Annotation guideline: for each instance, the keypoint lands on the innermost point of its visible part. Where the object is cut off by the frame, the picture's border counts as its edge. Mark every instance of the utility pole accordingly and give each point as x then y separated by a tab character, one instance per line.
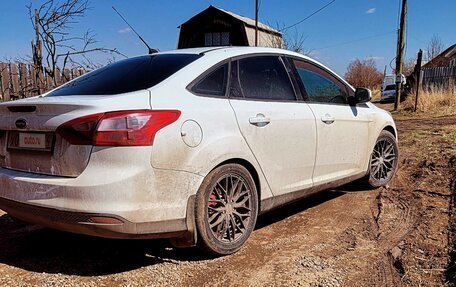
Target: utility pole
418	77
256	23
400	54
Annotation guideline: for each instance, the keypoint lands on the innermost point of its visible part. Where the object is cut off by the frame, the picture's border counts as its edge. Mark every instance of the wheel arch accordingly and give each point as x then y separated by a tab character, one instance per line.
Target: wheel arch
251	169
390	129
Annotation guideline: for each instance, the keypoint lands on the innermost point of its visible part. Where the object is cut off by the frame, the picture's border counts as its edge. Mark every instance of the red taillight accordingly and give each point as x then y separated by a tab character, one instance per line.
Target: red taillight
122	128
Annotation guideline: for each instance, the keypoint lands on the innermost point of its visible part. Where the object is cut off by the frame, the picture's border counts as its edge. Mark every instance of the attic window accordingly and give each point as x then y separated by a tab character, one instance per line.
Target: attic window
217	39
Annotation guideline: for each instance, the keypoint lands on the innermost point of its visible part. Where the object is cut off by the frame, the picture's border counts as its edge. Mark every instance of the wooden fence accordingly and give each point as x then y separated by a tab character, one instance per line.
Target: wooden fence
19	80
443	77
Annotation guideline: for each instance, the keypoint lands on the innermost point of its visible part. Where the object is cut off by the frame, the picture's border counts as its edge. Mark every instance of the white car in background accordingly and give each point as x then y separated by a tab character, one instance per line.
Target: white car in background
388	88
190	144
388	94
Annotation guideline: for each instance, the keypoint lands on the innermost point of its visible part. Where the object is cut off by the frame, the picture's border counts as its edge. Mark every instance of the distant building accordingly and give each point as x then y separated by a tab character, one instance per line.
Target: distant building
218	27
441	70
445	59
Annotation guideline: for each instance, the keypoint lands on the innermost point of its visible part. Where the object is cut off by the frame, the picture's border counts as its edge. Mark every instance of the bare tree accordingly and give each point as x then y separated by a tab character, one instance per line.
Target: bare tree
52	22
434	47
409	66
289	41
364	73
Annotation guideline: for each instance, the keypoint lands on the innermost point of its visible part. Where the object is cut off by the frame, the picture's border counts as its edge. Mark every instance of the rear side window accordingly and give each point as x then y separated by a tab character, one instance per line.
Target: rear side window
319	85
127	75
264	78
214	84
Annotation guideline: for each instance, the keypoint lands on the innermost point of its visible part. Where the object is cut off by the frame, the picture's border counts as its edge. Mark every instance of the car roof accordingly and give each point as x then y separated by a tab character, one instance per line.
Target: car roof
234	51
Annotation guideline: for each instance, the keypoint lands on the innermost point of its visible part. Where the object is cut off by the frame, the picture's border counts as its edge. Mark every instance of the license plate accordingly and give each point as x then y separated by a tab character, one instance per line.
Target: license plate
30	141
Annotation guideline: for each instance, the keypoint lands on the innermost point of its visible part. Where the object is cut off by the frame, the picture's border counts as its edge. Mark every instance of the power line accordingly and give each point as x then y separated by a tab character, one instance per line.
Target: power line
299	22
354	41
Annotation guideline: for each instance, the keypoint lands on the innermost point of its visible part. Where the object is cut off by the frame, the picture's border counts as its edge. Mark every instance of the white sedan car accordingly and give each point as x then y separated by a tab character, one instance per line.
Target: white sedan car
190	145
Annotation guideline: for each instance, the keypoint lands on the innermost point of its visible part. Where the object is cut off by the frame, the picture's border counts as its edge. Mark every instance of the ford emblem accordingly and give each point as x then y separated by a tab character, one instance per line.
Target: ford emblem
21	124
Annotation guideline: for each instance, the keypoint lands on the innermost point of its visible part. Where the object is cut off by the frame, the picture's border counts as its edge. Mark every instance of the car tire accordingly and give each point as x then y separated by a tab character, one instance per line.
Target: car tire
383	160
226	209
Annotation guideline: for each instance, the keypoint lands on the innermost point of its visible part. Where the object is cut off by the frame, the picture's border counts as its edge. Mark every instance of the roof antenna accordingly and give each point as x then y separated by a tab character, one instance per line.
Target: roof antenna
151	50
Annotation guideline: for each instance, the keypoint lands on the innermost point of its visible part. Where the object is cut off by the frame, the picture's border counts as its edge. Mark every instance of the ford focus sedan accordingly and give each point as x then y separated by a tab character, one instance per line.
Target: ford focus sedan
190	145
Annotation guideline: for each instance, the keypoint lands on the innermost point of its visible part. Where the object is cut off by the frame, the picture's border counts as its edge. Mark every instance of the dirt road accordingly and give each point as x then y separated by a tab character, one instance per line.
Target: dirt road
394	236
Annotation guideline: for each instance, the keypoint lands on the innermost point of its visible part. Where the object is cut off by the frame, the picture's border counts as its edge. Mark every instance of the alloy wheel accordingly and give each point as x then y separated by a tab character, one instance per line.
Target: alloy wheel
229	208
383	160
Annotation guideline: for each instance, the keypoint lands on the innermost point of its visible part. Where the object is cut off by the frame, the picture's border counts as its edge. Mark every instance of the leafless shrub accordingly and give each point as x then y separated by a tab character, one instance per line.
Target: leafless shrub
409	66
364	73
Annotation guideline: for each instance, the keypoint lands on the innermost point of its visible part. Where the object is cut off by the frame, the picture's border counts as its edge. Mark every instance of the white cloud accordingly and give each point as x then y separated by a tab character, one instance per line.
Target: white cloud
370	11
375	58
124	30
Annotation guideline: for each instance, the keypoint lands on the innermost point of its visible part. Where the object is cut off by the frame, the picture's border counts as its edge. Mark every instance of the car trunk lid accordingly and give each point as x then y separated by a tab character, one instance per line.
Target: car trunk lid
28	138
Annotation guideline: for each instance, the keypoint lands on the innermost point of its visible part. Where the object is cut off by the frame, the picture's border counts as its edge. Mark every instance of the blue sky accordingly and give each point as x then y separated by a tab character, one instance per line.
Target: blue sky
345	30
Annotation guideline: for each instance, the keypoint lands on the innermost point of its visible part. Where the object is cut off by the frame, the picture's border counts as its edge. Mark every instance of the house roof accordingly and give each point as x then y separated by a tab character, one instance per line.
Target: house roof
248	21
450	51
442	57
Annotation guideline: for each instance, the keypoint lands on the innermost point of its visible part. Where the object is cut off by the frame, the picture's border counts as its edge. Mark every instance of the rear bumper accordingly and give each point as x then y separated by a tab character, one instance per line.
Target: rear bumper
85	223
121	186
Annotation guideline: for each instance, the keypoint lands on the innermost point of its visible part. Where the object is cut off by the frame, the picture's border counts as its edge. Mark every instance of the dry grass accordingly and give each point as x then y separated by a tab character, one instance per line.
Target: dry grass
433	100
376	95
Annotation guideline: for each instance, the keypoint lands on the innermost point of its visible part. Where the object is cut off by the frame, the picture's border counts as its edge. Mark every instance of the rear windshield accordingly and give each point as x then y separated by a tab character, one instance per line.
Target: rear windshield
127	75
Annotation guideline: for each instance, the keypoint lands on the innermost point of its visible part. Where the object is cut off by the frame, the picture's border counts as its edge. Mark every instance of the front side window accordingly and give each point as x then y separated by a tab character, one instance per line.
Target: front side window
214	84
319	85
127	75
264	78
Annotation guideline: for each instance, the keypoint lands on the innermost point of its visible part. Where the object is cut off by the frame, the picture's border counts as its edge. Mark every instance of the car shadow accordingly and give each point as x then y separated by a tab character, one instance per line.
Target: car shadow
37	249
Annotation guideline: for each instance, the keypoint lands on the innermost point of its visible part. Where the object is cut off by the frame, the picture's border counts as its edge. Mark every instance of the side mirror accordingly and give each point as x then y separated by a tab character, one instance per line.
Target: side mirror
363	95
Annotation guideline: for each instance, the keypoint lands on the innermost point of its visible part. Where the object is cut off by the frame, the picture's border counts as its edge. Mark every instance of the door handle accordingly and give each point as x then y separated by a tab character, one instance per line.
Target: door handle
328	119
259	120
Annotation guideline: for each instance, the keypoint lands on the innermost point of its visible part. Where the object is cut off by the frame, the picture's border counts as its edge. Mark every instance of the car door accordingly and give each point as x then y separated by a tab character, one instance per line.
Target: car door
279	130
342	129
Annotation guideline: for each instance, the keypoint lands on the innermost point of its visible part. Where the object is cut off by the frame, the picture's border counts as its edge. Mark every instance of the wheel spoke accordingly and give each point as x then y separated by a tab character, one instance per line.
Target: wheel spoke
237	191
220	190
233	228
241	203
226	226
388	149
217	222
240	195
216	209
234	188
230	189
226	187
388	165
376	169
219	229
217	201
390	156
241	221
